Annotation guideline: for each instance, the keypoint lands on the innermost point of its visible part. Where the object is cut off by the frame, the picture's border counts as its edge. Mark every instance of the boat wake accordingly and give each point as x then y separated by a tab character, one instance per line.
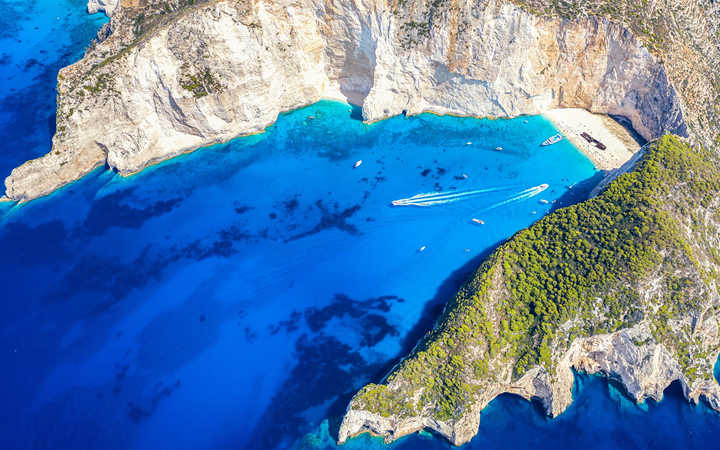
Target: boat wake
441	198
523	195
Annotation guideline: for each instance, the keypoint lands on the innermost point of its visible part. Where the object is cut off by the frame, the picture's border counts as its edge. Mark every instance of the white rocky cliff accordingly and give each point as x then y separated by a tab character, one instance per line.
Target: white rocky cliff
107	6
156	86
631	357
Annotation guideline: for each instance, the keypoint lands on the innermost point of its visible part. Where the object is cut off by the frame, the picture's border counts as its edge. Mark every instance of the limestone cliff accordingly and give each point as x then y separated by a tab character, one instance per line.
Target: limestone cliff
168	77
631	357
107	6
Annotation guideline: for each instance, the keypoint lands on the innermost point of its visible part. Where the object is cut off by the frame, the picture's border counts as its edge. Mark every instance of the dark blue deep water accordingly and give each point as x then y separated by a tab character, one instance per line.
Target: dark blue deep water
237	297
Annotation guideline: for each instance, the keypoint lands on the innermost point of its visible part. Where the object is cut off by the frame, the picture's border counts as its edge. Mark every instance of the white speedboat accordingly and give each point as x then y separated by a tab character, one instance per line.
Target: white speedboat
358	163
552	140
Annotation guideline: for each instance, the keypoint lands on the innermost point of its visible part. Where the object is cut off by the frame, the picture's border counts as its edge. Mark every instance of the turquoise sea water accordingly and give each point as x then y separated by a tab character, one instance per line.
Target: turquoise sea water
238	296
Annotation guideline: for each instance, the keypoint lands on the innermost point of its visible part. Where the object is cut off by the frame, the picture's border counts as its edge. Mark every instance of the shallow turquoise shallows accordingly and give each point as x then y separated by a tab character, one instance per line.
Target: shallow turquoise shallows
238	296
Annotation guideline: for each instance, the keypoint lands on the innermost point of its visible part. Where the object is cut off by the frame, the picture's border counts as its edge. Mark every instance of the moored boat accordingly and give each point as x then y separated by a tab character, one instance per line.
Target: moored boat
552	140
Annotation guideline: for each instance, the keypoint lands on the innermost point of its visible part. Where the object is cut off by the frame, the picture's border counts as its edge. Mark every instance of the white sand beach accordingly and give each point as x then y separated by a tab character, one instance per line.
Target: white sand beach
571	122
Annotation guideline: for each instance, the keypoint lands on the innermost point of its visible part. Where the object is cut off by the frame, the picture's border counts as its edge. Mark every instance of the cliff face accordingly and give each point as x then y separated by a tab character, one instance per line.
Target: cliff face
166	78
107	6
631	357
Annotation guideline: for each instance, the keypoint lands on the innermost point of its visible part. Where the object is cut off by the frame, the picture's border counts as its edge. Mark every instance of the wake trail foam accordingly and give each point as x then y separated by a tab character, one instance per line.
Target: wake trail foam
522	195
441	198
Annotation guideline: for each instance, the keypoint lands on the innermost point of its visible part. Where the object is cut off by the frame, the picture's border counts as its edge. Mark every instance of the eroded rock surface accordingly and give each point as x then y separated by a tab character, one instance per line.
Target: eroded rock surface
107	6
631	357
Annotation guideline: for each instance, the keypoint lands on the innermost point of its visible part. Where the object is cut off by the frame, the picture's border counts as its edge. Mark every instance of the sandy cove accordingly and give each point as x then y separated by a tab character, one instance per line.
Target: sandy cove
572	122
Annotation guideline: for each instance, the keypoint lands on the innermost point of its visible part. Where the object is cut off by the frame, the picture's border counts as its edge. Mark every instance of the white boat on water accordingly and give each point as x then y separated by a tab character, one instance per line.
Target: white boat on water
357	164
552	140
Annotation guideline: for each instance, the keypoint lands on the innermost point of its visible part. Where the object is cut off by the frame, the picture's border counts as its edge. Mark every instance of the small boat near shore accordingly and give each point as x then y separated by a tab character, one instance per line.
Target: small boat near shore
478	221
552	140
358	163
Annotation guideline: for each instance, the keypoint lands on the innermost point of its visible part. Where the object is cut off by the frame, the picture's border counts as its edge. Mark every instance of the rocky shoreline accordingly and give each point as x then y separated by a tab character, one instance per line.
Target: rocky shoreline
643	370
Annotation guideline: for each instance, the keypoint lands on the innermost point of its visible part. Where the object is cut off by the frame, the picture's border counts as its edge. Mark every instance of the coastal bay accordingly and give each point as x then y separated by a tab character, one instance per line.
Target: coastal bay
262	278
242	296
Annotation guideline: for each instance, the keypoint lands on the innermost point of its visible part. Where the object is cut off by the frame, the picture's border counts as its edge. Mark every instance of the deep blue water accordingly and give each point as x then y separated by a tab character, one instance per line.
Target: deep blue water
238	296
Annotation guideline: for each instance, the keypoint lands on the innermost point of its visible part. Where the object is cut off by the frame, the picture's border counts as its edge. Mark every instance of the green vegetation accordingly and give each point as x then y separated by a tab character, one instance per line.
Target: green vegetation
143	21
414	33
579	271
101	82
200	85
154	14
648	21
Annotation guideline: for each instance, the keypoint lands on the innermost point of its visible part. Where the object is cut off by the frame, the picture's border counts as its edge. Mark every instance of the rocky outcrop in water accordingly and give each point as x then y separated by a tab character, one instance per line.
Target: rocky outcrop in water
167	78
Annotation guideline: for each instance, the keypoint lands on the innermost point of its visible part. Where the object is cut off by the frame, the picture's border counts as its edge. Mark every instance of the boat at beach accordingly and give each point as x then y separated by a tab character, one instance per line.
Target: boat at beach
593	141
552	140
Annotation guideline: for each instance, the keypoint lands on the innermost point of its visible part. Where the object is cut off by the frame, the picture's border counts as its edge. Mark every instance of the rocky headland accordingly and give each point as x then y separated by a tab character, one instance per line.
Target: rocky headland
623	285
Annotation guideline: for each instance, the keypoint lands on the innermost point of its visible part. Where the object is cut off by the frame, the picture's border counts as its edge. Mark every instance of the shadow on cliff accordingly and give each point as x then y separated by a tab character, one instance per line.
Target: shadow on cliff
627	124
579	192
